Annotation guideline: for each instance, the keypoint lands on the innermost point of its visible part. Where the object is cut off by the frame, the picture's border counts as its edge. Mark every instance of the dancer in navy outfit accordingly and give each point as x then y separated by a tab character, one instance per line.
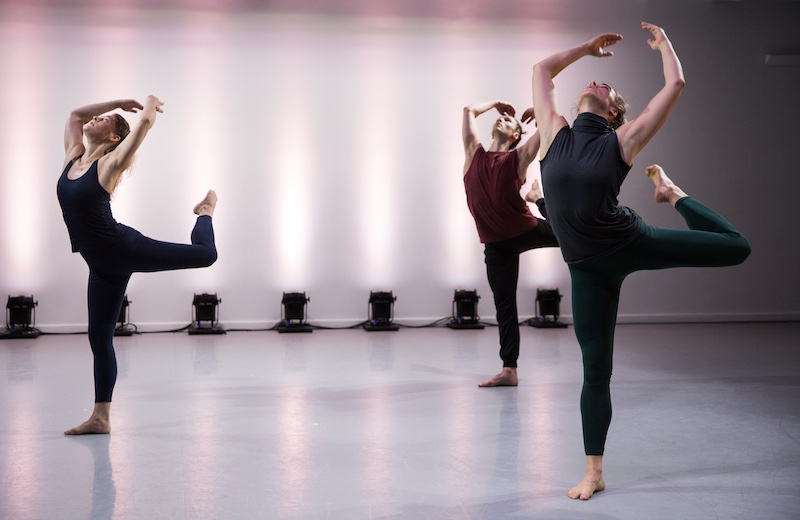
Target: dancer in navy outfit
113	251
583	168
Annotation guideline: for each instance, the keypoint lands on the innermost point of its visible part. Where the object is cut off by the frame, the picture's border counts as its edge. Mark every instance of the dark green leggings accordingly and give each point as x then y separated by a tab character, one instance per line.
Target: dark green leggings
710	242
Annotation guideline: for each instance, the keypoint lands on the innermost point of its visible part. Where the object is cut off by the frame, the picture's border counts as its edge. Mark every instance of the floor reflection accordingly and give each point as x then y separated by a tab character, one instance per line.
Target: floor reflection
21	366
104	490
381	353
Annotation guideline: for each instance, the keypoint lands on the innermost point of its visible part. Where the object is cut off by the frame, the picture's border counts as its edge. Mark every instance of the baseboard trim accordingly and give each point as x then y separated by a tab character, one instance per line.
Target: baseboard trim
264	325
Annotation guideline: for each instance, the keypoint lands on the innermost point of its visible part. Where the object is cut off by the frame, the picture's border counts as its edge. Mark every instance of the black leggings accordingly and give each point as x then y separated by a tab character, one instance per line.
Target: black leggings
502	269
111	267
710	242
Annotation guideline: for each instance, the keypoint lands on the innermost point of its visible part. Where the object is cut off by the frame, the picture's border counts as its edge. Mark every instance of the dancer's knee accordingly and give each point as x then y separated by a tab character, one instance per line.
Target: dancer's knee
597	377
597	369
741	250
209	257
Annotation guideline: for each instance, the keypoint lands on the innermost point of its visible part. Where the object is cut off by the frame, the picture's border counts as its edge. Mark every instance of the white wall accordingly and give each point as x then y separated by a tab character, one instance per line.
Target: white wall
334	145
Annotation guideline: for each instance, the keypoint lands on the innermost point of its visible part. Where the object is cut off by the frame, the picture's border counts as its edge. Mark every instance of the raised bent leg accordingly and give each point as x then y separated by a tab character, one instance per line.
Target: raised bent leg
145	254
710	241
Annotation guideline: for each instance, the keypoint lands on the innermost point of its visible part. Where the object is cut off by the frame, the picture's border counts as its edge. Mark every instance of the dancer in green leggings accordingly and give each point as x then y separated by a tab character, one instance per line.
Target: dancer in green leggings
582	169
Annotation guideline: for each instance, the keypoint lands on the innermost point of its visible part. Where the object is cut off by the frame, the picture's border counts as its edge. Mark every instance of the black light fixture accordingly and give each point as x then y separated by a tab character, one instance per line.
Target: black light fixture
465	311
547	305
20	318
124	327
205	311
293	313
380	315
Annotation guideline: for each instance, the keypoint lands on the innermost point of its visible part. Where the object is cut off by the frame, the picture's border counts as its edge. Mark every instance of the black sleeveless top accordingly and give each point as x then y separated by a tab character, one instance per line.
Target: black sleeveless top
582	174
86	207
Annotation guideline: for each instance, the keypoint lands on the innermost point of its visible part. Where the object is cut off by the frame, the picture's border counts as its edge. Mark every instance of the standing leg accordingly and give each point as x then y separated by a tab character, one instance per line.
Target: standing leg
595	300
502	269
105	301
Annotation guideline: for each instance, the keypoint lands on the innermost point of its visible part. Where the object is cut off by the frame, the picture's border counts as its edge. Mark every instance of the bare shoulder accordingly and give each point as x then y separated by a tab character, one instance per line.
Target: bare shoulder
469	156
549	134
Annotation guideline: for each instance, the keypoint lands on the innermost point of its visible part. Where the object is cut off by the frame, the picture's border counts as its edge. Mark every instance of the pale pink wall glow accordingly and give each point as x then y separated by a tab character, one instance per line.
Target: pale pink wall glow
332	134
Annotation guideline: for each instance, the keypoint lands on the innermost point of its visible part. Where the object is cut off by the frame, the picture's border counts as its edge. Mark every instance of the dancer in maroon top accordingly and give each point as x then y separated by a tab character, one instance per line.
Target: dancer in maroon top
506	226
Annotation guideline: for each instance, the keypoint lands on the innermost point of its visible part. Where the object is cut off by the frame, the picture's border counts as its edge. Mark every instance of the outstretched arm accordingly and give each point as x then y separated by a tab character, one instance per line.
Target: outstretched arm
549	119
469	129
73	133
635	135
118	160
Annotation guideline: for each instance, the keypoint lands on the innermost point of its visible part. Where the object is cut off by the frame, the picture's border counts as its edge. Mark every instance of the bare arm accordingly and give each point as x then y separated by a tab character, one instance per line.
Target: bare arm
73	133
635	135
117	161
527	152
469	129
548	118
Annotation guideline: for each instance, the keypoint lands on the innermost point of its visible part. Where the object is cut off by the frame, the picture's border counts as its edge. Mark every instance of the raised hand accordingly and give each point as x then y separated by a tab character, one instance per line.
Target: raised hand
598	44
505	108
156	103
659	36
130	105
528	116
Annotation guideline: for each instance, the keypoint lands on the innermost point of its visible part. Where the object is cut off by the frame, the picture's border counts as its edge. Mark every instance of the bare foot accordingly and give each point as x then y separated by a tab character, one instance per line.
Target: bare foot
207	205
508	377
99	422
93	425
536	192
588	487
666	190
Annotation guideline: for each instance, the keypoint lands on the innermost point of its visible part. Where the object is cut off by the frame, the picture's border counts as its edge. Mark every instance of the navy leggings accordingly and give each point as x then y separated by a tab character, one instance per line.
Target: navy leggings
111	267
710	242
502	269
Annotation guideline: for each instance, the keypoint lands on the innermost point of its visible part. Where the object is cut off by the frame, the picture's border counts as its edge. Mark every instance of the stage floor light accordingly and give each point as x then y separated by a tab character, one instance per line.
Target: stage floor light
206	310
20	318
293	313
380	314
465	310
547	304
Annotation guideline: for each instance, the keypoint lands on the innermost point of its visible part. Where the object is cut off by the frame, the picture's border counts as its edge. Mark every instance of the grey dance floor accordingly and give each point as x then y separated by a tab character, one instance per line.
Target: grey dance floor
390	425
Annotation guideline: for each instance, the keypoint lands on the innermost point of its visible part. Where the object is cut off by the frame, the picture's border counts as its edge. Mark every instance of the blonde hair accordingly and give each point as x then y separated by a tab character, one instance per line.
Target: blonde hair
622	108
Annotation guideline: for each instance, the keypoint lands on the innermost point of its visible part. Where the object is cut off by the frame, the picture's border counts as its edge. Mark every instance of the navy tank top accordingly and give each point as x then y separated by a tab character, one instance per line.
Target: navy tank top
86	207
582	174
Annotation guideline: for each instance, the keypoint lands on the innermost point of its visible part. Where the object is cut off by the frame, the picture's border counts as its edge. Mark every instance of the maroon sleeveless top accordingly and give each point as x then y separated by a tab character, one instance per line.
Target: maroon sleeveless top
492	186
